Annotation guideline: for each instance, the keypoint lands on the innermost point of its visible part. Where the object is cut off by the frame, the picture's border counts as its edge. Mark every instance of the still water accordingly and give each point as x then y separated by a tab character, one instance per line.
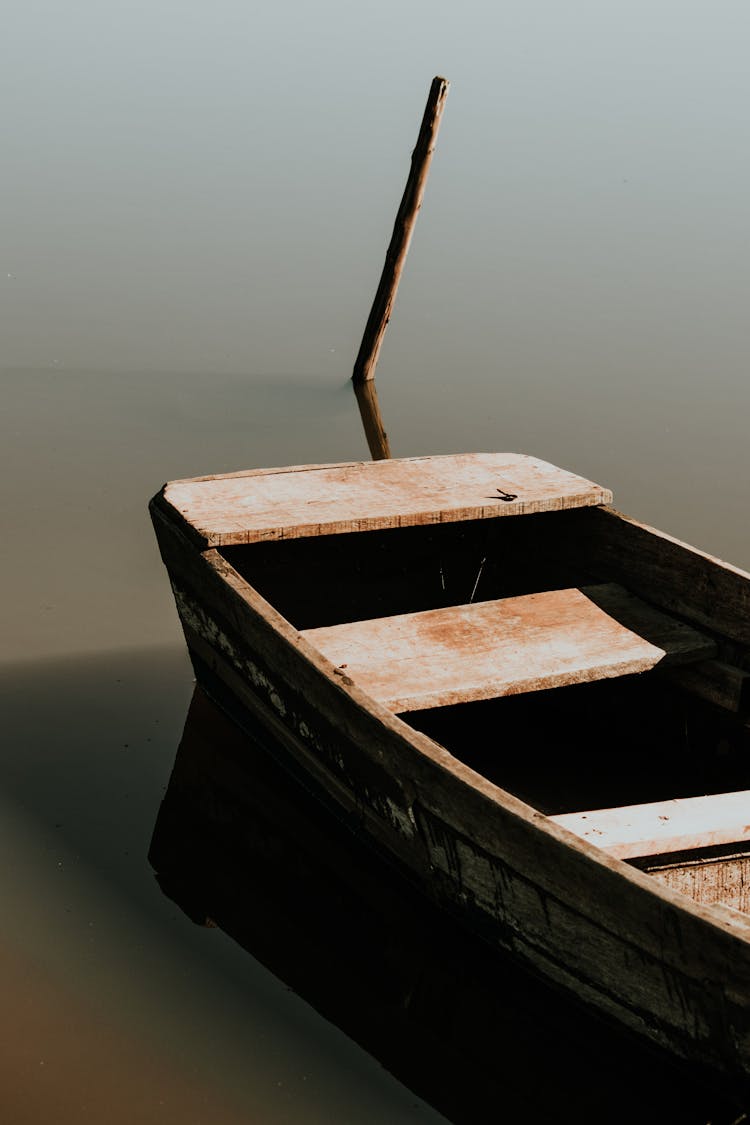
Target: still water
197	202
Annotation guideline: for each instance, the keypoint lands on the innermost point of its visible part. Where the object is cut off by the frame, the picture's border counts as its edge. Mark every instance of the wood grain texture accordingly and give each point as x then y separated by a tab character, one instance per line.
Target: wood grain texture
713	880
664	826
297	501
489	649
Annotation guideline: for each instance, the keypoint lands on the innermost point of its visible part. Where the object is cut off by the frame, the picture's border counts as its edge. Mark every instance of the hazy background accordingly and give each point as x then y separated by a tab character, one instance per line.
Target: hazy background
197	200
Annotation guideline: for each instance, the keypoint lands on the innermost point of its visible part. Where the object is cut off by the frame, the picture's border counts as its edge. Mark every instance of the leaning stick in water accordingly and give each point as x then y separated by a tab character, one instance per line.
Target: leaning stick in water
369	409
364	368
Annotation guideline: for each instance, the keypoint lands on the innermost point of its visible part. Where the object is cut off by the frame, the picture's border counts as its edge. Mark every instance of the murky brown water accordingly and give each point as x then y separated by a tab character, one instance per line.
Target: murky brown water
197	206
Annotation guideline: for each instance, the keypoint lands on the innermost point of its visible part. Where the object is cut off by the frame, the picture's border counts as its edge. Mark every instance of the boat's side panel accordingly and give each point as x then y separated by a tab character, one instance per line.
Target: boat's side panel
677	577
579	917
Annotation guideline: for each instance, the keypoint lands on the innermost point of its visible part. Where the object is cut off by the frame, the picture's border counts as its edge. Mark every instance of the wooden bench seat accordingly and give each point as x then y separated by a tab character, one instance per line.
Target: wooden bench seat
684	824
488	649
305	500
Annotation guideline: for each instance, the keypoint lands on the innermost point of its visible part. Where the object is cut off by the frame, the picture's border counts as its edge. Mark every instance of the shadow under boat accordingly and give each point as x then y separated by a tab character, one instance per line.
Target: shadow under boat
240	845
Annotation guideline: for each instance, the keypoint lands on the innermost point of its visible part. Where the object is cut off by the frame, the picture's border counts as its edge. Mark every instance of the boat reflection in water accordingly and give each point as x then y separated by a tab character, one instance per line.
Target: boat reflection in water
240	845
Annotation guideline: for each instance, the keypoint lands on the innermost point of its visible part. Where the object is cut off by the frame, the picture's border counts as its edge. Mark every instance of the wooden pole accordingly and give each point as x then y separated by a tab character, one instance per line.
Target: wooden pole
364	368
369	409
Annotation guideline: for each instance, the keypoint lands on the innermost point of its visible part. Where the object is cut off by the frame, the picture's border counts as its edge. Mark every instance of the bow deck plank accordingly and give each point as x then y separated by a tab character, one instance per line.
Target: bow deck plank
369	495
520	644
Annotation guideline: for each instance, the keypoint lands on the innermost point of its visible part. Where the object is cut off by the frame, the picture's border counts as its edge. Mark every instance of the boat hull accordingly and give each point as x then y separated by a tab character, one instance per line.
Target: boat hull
613	937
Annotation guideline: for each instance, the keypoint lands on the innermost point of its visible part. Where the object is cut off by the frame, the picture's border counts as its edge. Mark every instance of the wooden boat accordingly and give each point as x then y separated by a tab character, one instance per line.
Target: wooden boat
532	705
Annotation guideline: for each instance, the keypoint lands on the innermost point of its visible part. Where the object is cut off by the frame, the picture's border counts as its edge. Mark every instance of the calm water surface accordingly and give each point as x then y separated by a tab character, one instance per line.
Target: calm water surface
197	202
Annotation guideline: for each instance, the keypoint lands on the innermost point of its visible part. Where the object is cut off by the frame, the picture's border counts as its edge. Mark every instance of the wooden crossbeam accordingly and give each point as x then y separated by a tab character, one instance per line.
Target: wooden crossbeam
683	824
494	648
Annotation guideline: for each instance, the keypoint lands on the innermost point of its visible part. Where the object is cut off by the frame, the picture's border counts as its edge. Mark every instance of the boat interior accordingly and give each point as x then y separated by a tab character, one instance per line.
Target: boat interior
632	730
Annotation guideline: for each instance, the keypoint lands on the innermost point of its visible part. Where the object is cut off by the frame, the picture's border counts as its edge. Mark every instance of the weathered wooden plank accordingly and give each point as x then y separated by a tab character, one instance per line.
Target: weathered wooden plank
363	496
521	644
664	826
709	879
